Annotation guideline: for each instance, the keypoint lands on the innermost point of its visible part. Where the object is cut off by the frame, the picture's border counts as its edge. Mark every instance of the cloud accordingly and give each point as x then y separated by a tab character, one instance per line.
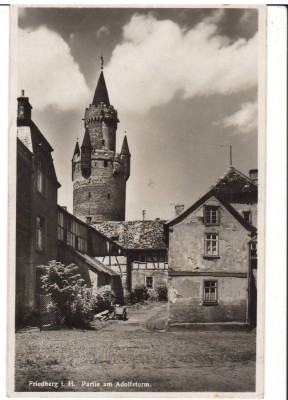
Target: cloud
48	72
157	60
103	31
244	120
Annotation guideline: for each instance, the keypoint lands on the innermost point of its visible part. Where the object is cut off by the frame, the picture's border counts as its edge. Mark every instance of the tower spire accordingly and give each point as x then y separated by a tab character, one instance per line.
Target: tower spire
125	147
101	92
77	149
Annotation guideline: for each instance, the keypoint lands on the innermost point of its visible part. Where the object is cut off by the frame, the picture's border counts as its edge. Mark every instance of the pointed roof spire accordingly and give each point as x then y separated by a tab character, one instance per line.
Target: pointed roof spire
77	149
101	92
125	147
86	140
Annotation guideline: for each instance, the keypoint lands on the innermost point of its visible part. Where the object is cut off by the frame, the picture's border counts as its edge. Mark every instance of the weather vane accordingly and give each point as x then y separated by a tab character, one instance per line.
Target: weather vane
102	63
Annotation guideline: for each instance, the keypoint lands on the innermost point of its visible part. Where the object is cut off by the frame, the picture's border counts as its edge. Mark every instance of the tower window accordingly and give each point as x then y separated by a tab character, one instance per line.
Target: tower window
103	142
105	163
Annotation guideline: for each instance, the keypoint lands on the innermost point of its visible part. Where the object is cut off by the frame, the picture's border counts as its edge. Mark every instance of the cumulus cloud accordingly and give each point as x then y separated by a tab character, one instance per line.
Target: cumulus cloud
157	60
244	120
48	72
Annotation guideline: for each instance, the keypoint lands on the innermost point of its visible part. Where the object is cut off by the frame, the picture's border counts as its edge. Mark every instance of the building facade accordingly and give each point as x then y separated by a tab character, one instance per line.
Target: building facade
100	174
213	255
36	208
144	253
46	231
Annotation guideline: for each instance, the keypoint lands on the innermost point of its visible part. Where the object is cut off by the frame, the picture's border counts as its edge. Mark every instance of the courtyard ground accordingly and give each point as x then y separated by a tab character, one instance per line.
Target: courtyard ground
136	355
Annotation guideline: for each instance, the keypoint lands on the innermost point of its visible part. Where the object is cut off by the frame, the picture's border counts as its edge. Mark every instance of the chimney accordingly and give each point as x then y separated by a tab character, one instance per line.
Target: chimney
179	208
24	107
254	175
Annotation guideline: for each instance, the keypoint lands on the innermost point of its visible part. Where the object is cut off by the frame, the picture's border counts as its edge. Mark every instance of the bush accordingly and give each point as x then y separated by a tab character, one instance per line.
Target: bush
102	297
139	294
69	293
162	293
153	295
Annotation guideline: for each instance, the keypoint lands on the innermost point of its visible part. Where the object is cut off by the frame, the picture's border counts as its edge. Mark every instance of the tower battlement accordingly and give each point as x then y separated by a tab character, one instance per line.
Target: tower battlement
100	113
100	174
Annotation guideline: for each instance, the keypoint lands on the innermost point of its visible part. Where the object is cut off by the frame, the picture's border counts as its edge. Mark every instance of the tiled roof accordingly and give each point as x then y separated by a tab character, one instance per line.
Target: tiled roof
135	234
236	187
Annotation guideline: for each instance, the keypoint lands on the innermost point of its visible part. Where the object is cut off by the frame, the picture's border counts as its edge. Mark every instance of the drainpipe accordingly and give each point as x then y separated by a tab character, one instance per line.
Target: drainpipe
248	316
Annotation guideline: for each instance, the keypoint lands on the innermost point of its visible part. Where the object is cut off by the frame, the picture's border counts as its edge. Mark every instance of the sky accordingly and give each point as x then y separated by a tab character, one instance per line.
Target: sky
184	83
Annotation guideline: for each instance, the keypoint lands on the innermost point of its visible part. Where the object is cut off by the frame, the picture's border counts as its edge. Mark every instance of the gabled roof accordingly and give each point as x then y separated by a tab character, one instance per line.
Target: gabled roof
203	199
35	140
133	235
235	187
101	92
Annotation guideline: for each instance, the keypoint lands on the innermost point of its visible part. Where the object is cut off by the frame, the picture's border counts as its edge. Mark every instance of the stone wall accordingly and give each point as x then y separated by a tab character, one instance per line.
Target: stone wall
102	196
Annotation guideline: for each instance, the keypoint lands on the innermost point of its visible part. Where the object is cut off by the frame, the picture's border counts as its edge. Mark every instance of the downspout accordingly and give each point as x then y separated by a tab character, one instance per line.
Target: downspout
248	316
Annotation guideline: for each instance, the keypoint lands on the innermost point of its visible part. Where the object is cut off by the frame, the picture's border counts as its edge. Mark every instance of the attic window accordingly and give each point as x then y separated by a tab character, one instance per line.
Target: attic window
211	215
247	216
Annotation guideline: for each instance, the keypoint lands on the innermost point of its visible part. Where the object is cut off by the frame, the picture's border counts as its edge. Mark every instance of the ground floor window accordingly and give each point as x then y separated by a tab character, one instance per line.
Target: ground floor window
149	282
210	292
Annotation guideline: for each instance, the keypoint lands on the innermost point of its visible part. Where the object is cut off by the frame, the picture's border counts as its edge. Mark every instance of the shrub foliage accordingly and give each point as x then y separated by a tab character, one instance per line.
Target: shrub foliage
75	300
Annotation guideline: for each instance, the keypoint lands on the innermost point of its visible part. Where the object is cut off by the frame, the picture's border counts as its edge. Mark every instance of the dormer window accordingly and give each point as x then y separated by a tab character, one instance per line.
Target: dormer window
211	215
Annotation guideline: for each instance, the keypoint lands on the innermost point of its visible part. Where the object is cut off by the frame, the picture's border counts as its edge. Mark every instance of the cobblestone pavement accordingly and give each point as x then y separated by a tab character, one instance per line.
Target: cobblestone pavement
125	351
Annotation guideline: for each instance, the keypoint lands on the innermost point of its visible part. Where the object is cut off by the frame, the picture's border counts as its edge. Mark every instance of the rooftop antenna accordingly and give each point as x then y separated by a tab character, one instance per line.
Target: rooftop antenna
230	156
102	62
143	213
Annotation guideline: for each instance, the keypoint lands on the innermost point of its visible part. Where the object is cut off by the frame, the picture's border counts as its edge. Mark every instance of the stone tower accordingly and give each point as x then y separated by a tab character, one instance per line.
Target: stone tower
100	174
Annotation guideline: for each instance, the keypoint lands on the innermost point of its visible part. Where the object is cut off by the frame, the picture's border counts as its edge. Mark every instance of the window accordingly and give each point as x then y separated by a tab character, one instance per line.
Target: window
149	282
253	254
40	179
211	215
210	295
247	216
142	257
211	244
105	163
103	142
108	196
40	233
